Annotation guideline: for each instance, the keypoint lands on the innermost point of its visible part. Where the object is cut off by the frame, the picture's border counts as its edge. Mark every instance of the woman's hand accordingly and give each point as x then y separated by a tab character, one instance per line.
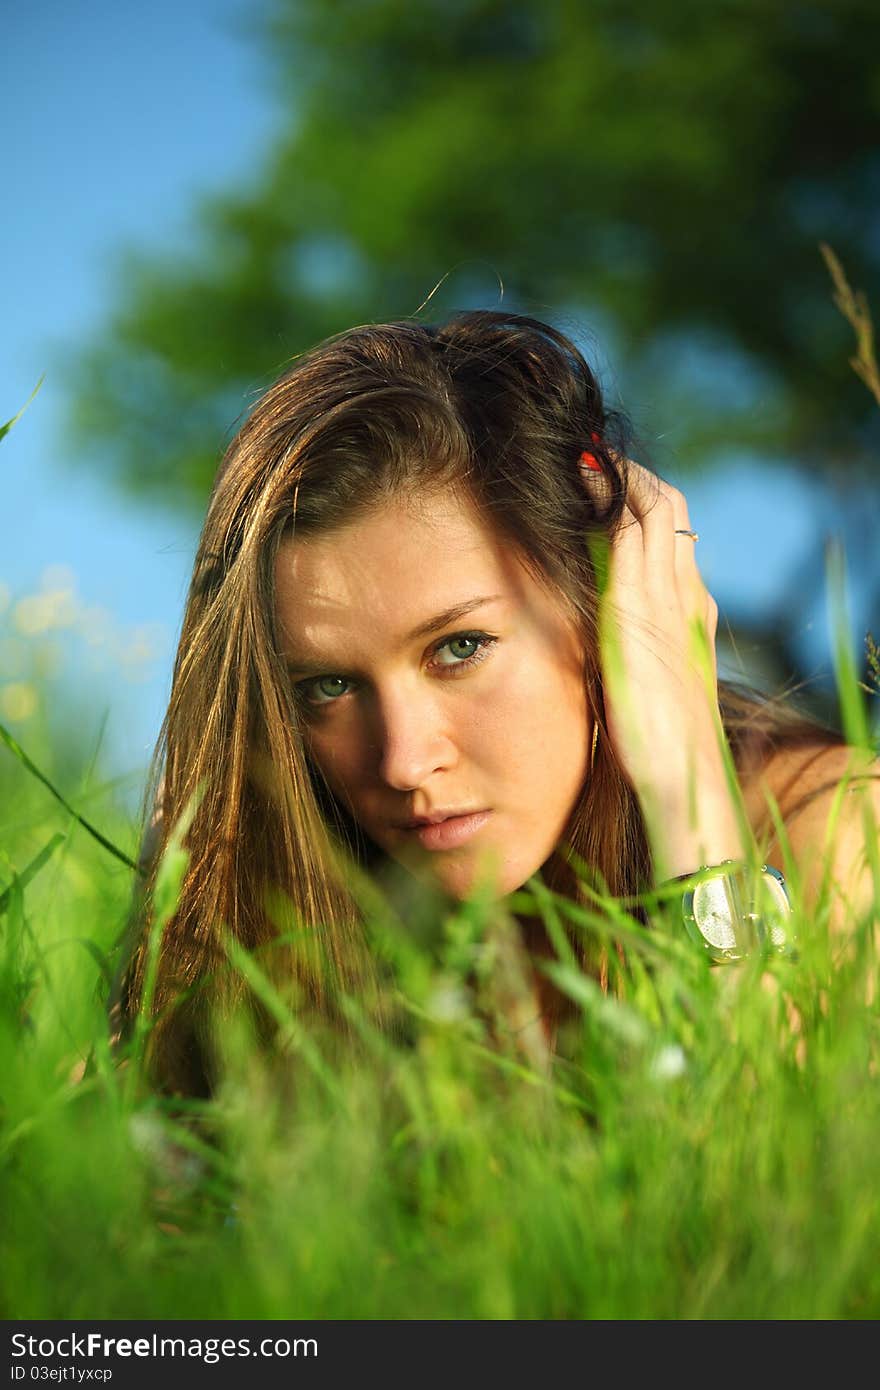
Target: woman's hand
657	628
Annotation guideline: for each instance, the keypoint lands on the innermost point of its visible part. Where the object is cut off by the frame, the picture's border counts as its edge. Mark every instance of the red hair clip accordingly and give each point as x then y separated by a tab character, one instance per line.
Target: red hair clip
590	460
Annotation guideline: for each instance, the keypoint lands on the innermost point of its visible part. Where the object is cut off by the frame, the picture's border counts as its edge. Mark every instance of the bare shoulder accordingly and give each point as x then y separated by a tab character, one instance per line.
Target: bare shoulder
823	791
799	777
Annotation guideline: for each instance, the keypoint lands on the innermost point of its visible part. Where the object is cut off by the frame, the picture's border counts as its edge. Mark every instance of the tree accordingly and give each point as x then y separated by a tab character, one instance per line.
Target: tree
665	170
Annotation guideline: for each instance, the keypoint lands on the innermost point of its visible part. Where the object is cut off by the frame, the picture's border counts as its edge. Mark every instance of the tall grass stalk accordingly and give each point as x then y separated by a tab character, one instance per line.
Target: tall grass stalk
702	1145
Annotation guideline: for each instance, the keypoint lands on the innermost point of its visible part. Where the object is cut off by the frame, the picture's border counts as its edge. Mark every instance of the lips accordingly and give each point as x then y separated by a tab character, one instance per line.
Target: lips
448	832
434	818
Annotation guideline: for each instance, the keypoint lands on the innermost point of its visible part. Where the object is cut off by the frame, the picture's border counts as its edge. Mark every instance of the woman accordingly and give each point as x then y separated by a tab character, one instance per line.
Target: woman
438	620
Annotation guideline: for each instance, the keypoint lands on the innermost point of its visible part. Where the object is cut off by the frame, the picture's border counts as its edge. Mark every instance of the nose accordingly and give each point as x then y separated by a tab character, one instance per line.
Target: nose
412	738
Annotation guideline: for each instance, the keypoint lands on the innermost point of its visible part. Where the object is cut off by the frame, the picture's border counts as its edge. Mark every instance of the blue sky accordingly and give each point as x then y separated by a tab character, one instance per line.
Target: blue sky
114	118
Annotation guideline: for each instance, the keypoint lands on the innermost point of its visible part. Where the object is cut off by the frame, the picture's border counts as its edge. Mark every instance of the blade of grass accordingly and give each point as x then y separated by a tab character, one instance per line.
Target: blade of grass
32	869
292	1032
852	705
166	892
854	307
16	749
94	950
626	1023
4	429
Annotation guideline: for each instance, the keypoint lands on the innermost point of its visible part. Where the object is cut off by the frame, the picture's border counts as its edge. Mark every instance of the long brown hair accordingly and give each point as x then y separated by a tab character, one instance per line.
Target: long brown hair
495	404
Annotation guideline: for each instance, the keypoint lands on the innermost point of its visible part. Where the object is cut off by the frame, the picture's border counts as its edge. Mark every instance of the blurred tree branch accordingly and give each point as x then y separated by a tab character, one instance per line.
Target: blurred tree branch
659	176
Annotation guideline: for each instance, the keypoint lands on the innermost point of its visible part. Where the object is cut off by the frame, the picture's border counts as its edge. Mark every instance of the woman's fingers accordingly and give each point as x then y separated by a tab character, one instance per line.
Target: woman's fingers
628	552
671	557
654	570
662	511
654	515
660	693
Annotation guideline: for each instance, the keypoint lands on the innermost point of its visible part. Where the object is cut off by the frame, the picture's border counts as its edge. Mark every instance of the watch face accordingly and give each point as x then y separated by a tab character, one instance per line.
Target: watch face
723	919
731	917
776	910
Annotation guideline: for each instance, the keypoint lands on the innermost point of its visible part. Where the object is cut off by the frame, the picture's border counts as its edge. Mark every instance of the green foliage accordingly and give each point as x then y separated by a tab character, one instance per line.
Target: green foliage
702	1145
666	170
18	752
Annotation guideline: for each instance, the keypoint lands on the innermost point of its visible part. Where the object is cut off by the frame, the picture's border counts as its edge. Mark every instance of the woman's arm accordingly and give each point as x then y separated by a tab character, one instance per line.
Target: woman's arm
657	631
658	624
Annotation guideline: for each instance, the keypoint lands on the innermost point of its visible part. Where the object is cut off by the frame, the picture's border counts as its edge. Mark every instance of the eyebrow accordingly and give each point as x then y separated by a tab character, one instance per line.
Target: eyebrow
433	624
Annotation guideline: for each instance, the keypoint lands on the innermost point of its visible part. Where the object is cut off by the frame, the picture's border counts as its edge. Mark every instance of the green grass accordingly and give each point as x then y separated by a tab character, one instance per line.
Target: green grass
691	1155
703	1147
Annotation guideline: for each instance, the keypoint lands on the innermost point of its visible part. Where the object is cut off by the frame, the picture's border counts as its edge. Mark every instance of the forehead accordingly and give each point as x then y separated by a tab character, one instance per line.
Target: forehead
389	571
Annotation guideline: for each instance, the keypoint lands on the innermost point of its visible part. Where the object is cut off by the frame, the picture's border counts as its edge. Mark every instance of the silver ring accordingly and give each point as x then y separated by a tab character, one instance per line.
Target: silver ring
693	535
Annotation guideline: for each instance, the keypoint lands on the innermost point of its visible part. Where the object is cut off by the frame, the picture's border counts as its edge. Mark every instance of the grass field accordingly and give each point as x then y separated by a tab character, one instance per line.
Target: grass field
704	1145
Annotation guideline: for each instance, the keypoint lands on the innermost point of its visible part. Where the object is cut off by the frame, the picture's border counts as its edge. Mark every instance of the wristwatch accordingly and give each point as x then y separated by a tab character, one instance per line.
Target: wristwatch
732	910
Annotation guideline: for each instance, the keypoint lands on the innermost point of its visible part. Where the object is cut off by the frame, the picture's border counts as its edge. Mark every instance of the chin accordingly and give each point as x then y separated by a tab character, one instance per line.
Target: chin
493	877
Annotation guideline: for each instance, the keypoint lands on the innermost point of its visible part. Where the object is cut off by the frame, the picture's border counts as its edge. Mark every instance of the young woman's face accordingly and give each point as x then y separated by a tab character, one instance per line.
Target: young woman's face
409	713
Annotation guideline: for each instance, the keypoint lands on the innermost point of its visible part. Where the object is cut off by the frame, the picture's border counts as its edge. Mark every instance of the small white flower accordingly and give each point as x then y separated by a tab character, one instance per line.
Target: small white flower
669	1062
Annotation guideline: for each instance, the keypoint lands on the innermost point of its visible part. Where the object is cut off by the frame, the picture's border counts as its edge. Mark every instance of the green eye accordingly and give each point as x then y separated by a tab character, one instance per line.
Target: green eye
324	681
482	641
309	693
454	641
321	684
